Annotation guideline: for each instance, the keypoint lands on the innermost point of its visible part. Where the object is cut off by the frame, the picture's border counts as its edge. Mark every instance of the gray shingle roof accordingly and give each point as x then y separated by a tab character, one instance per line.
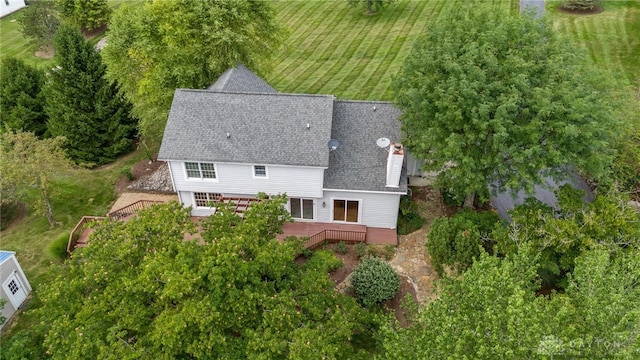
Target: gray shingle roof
264	128
359	164
241	79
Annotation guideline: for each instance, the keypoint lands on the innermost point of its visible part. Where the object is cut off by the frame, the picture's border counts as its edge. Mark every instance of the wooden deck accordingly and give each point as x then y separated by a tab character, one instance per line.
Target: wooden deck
372	235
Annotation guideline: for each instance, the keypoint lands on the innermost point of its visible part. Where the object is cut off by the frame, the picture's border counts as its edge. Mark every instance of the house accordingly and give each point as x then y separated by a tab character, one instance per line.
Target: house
9	6
340	162
15	286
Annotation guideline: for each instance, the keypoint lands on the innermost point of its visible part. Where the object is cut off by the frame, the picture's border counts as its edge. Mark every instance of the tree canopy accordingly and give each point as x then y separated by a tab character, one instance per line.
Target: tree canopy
83	105
39	22
139	290
85	14
163	45
27	162
21	97
491	98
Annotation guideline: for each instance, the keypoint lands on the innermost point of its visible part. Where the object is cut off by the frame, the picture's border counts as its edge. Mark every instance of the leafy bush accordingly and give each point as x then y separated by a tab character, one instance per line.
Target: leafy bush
580	4
409	219
58	247
307	253
453	241
127	173
323	261
341	247
389	251
361	250
25	344
374	281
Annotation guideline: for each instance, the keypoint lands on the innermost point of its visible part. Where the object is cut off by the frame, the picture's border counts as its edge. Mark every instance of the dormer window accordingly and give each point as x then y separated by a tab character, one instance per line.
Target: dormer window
259	171
200	170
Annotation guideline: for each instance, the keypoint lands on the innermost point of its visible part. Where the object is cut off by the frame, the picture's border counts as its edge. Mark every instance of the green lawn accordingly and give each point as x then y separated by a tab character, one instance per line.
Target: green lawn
335	49
13	44
611	38
90	192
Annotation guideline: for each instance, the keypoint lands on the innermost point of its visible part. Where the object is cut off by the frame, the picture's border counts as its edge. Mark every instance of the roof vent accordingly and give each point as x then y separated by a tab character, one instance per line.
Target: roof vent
383	142
333	144
228	135
308	126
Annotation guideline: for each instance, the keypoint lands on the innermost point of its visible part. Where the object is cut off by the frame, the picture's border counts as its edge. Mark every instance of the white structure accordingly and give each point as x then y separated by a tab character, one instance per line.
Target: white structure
15	286
9	6
333	158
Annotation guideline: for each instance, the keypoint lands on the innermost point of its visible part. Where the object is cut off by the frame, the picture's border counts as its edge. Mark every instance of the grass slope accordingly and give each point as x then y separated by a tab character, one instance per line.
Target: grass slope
335	49
611	38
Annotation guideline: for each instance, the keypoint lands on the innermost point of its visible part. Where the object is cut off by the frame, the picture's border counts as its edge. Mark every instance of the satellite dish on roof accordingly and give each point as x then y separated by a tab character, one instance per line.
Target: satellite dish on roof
383	142
333	144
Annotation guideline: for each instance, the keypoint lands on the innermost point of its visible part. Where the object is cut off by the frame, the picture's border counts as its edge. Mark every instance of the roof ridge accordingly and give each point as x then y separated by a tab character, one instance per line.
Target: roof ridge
366	101
254	93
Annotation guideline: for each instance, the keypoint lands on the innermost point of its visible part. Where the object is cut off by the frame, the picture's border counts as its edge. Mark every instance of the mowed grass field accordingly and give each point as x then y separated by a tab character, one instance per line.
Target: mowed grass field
335	49
610	38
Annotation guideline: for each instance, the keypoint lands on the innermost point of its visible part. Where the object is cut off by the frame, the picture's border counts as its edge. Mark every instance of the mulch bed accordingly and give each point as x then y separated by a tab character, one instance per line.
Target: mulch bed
138	170
595	10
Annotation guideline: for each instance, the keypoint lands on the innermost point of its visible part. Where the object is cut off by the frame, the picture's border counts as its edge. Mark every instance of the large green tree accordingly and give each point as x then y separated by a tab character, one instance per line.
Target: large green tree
492	311
561	235
28	163
163	45
21	97
83	105
139	290
86	14
488	97
39	22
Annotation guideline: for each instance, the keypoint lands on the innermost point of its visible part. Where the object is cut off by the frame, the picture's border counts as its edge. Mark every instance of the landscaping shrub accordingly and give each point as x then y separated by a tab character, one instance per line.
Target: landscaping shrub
58	247
341	247
374	281
361	250
307	253
324	261
580	4
409	219
127	173
389	251
454	242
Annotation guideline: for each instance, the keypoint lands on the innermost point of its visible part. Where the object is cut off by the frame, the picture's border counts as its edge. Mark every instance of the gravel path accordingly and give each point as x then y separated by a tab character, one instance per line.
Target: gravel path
411	260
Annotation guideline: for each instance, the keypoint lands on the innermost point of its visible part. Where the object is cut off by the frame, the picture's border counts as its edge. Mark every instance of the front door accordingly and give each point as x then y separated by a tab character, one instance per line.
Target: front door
346	210
15	291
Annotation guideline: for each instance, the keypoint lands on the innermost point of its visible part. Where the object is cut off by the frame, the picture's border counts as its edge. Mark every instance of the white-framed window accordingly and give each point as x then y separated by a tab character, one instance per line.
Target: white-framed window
259	171
198	170
302	209
206	200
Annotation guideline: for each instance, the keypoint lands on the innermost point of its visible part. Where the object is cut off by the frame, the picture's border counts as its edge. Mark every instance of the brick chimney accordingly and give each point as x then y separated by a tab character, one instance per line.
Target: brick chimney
394	165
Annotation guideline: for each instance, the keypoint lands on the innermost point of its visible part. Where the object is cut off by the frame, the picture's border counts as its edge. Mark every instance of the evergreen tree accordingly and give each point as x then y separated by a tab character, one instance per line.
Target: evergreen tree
21	98
83	106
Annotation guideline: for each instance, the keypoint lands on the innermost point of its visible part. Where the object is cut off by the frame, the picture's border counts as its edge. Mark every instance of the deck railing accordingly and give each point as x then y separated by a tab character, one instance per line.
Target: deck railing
80	228
131	209
329	235
118	214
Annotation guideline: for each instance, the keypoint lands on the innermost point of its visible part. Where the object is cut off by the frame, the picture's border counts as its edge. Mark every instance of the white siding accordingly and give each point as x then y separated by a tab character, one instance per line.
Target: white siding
376	209
7	269
9	6
239	179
